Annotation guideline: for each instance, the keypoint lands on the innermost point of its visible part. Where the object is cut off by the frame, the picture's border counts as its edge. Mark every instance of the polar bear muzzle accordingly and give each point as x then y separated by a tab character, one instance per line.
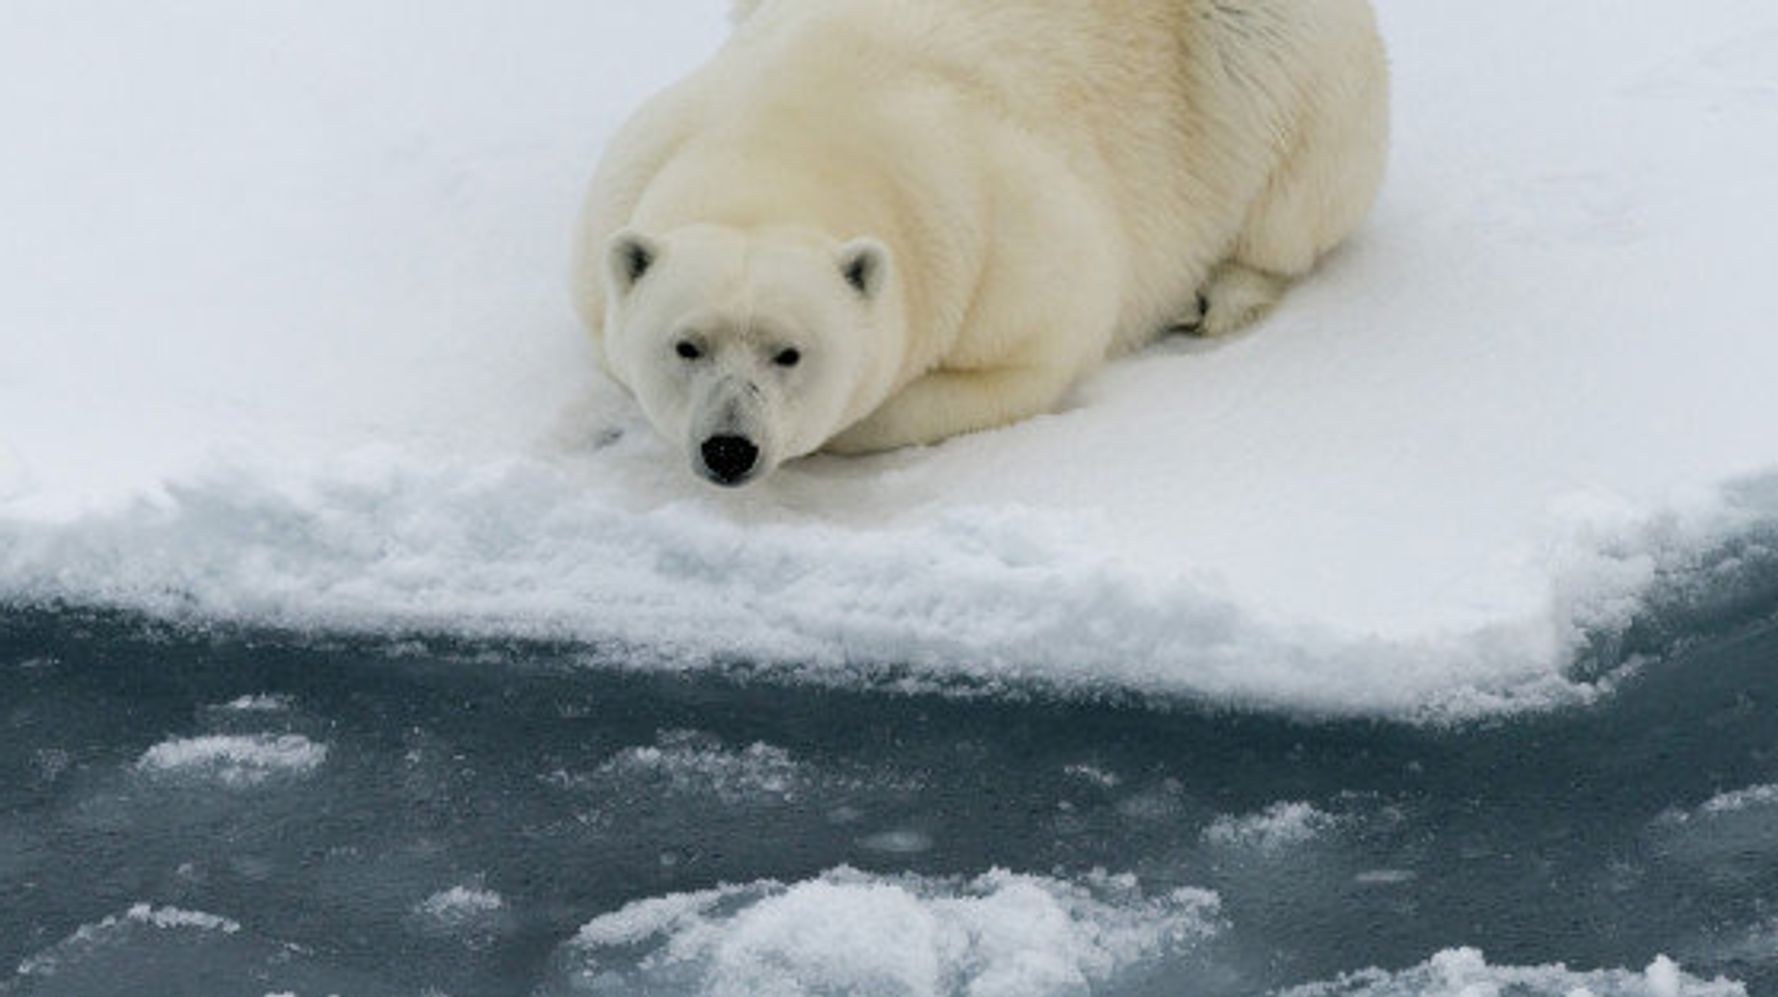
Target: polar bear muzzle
729	460
731	438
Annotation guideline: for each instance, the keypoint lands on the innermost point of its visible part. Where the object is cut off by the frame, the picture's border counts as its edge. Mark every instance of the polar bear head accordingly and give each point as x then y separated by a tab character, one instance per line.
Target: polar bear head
750	348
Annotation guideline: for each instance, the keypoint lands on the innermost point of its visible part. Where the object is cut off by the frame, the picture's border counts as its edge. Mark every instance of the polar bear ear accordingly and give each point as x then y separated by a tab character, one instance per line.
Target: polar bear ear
629	259
865	265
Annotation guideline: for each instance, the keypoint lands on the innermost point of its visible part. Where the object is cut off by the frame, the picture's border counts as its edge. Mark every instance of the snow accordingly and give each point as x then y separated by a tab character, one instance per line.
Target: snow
688	763
1279	826
151	949
173	917
1466	973
460	903
1385	877
234	761
470	913
1758	799
1094	775
259	703
108	931
284	338
998	935
1742	799
693	768
903	841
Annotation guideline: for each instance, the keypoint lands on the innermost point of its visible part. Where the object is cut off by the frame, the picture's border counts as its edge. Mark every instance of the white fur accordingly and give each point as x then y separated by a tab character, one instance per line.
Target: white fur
1052	181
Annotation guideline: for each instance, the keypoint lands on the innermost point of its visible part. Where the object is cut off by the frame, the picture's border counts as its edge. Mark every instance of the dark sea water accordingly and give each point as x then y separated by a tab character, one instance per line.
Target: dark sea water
547	788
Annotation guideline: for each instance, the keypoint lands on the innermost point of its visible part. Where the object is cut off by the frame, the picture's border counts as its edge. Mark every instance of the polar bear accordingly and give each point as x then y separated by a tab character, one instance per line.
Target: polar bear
865	224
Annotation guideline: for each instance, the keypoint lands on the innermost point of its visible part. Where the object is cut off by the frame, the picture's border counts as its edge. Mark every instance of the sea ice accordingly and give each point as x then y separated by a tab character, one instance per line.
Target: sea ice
234	761
999	935
286	340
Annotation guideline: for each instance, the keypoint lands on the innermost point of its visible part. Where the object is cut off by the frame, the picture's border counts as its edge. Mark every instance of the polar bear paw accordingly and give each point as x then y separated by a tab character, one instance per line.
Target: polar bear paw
1235	297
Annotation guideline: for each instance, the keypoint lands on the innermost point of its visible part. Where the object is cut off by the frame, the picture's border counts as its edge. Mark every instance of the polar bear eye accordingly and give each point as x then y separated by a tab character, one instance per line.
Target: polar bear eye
788	358
687	350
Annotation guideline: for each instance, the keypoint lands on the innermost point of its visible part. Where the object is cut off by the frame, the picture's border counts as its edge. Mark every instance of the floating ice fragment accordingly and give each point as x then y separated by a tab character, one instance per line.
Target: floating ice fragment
898	842
173	917
235	761
261	703
1385	877
141	915
1465	972
999	935
1722	804
461	903
1742	799
693	763
1278	826
1095	775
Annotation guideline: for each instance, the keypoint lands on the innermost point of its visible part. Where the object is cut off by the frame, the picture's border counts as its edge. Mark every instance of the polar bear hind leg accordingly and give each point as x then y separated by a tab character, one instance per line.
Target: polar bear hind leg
1319	194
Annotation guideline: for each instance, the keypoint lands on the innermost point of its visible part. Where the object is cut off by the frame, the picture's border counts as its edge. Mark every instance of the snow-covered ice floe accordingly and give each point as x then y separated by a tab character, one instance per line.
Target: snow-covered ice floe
471	913
1758	803
1467	973
113	931
234	760
1279	826
157	950
461	903
1738	800
687	763
258	703
533	548
998	935
314	377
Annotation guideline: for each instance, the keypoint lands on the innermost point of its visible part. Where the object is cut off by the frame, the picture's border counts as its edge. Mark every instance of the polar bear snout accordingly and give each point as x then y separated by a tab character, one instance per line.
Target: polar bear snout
729	460
731	442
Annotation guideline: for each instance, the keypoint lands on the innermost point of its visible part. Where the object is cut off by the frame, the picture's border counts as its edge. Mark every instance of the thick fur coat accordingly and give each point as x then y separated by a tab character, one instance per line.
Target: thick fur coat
977	202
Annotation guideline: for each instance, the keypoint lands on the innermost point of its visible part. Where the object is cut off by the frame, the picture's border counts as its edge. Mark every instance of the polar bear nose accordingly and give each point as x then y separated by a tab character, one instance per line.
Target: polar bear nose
729	458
